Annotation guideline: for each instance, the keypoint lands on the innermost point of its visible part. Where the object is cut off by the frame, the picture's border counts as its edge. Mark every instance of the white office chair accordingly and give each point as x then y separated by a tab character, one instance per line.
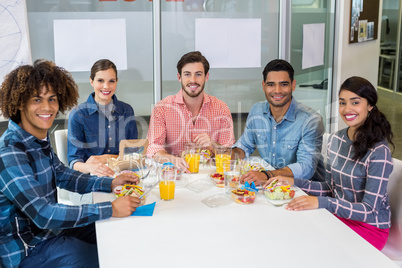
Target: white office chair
65	196
393	248
60	137
324	145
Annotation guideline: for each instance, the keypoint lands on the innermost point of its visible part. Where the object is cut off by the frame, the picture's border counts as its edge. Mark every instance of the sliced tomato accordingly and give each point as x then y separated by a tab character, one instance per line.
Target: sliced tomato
292	193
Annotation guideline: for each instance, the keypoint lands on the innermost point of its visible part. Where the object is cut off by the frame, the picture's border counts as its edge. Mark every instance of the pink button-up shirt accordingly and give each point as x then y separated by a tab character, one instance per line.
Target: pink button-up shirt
171	125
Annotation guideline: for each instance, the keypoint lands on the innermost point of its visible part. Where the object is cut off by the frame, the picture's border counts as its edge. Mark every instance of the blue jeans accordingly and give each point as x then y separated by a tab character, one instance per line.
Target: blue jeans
72	248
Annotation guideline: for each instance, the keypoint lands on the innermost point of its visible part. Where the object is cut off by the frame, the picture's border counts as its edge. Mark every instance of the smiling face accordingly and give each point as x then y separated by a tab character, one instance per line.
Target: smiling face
353	109
104	84
38	114
193	79
278	89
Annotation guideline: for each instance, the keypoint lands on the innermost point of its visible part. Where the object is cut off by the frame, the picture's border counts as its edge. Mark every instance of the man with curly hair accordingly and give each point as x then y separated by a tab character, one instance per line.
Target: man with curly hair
35	230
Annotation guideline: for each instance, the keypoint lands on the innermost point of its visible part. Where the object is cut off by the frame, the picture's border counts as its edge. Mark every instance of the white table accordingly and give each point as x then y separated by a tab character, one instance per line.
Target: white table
187	233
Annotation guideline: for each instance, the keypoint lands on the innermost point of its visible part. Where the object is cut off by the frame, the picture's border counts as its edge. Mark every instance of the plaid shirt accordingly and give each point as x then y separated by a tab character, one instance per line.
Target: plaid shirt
29	212
171	124
355	190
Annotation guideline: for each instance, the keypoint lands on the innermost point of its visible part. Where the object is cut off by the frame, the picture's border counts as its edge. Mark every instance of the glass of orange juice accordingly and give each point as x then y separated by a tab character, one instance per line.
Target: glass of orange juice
192	156
222	156
167	183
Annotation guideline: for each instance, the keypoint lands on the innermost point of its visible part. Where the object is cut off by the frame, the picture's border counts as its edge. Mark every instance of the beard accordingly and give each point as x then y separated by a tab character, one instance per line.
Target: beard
193	94
285	100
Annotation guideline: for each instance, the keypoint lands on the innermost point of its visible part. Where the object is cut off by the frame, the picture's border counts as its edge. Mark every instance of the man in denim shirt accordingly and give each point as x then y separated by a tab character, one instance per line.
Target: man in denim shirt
288	134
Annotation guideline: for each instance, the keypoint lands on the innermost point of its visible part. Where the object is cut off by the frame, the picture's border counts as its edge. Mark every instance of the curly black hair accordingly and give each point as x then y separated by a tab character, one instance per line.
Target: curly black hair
27	81
276	66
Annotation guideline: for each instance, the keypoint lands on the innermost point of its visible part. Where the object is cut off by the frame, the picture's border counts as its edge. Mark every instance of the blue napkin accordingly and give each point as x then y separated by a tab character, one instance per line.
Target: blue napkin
252	186
146	210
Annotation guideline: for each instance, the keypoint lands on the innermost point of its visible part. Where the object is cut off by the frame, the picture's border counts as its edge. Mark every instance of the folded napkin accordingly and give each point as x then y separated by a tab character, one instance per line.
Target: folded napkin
252	186
146	210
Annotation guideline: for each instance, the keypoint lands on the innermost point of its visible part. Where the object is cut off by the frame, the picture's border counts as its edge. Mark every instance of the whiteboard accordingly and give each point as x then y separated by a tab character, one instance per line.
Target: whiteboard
14	41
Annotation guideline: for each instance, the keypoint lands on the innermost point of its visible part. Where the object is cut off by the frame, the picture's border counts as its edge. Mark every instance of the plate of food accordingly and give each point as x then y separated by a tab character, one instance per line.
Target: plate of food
243	195
278	193
219	179
128	189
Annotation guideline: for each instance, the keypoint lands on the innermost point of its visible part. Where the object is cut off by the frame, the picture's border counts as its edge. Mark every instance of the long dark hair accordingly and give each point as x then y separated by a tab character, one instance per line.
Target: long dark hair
376	127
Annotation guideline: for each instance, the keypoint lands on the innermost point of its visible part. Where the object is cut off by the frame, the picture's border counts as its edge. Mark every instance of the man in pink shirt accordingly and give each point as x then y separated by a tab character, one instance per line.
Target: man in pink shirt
189	116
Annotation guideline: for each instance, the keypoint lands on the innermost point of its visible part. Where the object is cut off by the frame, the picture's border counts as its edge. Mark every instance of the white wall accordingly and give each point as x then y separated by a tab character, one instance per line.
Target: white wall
358	59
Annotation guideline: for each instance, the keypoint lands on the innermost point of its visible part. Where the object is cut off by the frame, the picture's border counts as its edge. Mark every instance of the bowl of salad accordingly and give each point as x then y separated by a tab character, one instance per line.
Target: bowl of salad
279	191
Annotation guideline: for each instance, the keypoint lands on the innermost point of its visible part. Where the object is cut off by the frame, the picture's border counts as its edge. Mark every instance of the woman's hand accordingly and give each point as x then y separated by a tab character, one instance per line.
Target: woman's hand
99	169
303	203
101	158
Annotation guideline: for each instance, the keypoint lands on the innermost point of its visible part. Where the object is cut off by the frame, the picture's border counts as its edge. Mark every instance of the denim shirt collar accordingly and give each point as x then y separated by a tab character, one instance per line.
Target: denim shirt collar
93	107
290	113
26	137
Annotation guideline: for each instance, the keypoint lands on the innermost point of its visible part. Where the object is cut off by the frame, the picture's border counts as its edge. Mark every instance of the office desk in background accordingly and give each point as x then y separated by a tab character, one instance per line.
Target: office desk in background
387	65
187	233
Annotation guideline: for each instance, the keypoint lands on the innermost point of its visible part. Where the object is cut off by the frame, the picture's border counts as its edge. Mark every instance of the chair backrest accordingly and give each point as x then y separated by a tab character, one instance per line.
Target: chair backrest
324	145
60	137
393	248
139	144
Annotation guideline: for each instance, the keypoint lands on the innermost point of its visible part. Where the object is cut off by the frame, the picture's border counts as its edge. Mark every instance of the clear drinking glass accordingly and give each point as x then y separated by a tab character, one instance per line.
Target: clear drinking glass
192	156
222	156
167	183
231	174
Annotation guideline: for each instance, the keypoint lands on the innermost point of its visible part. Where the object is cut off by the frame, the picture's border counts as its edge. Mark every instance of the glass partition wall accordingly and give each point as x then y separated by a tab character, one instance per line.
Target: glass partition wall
231	77
252	26
239	86
389	75
314	84
135	85
389	71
